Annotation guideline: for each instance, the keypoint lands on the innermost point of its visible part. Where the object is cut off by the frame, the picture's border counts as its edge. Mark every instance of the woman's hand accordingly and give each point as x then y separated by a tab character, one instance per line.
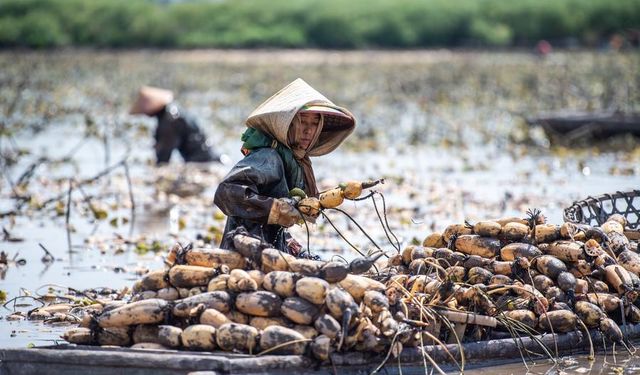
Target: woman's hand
284	213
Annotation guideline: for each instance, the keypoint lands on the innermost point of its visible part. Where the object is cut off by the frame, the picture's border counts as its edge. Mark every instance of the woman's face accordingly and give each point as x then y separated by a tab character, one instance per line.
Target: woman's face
305	128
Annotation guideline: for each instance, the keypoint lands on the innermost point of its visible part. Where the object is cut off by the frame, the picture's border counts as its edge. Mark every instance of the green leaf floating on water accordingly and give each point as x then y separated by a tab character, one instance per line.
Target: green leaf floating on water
141	248
100	214
219	215
157	246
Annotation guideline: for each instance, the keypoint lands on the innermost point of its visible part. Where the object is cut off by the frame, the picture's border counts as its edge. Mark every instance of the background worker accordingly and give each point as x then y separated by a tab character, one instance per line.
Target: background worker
175	130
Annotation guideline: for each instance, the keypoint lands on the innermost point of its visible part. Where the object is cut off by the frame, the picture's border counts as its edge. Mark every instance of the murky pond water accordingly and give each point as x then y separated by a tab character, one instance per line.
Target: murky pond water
621	363
445	130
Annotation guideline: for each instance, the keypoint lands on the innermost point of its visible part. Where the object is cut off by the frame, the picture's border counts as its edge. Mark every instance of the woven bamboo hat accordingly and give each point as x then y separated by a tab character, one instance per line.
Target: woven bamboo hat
151	100
274	116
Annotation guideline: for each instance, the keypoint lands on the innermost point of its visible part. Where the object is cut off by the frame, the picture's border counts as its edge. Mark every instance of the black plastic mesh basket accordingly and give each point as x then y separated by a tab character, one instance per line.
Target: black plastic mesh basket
596	210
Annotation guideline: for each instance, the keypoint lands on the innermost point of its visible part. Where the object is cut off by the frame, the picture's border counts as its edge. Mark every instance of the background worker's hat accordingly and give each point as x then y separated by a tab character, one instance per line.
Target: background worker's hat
151	100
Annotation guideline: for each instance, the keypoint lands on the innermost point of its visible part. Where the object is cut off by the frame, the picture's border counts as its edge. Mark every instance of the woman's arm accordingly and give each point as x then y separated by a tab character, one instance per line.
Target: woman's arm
242	192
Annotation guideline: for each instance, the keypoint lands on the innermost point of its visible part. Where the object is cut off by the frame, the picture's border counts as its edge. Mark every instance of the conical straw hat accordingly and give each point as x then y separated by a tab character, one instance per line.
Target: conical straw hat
151	100
274	116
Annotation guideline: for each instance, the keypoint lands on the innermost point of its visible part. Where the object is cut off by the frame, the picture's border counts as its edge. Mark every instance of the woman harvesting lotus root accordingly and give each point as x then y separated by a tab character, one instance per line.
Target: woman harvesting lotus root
283	133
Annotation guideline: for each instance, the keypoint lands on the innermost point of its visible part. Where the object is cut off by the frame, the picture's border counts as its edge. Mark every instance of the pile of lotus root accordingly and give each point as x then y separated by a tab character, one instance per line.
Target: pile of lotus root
472	282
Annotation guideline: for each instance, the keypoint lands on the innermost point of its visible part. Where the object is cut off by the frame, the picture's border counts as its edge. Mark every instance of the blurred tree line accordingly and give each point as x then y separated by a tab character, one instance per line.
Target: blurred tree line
310	23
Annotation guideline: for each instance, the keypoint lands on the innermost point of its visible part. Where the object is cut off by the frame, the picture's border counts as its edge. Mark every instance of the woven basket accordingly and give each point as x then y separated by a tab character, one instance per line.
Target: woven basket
596	210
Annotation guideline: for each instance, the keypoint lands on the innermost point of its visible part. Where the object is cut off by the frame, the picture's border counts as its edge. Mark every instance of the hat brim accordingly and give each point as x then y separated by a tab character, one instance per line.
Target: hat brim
334	119
323	110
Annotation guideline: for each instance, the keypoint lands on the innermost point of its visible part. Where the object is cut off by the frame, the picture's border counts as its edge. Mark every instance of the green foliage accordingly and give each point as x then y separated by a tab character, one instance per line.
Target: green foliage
492	34
532	20
308	23
36	28
9	31
40	29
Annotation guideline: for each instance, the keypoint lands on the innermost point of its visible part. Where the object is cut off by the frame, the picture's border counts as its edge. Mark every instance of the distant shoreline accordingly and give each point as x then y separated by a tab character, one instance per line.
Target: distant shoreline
212	53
